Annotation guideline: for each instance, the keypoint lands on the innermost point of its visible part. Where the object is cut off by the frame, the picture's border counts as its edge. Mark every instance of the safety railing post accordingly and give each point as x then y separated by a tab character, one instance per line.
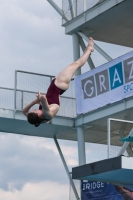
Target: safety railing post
84	5
22	100
76	4
108	138
15	92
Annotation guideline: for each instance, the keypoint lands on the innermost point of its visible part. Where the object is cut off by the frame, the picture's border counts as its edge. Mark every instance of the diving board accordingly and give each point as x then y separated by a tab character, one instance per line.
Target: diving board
118	170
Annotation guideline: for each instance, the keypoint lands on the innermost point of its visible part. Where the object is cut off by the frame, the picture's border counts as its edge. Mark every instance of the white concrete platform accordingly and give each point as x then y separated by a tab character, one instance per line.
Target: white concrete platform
118	170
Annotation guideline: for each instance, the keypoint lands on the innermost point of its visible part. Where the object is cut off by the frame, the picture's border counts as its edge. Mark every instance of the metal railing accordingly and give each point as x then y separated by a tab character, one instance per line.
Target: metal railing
6	98
23	97
25	89
73	8
27	85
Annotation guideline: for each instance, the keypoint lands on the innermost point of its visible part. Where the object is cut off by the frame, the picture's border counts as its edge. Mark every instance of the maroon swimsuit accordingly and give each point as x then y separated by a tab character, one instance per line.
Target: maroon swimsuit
52	95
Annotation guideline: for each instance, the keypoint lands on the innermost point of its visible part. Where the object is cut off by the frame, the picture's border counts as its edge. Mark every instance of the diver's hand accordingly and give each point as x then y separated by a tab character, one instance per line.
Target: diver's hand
37	101
40	96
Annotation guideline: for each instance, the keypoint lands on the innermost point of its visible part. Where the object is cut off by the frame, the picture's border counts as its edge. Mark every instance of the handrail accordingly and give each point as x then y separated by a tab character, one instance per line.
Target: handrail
20	99
78	7
6	88
50	76
26	72
18	90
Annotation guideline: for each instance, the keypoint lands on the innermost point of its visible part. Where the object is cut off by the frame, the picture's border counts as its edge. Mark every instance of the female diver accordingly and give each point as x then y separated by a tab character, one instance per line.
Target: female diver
50	104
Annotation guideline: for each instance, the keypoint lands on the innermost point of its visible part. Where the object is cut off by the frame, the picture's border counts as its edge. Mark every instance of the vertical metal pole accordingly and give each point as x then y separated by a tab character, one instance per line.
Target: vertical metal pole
108	138
66	168
76	51
76	4
81	146
80	131
22	101
84	5
15	87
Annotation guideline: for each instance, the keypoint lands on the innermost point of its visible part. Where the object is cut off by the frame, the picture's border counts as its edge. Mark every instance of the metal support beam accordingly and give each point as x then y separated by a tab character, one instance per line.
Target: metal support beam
129	150
90	62
71	8
108	137
53	4
66	168
81	146
80	131
125	145
84	5
76	51
76	8
103	53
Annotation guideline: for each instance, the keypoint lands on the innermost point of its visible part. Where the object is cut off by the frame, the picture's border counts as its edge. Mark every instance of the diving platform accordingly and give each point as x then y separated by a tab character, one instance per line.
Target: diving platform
94	123
118	171
20	125
110	21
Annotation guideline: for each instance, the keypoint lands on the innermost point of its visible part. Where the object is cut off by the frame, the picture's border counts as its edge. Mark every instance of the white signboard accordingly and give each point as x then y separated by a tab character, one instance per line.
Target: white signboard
106	84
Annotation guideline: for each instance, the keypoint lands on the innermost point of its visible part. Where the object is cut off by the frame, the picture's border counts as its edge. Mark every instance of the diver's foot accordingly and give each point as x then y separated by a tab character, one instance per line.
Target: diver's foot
91	44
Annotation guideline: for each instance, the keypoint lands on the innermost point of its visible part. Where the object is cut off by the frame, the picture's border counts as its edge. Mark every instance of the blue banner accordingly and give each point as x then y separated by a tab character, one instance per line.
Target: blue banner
106	84
96	190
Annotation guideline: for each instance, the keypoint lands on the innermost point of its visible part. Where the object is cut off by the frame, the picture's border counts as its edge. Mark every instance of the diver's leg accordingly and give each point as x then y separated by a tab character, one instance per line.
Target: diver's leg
64	77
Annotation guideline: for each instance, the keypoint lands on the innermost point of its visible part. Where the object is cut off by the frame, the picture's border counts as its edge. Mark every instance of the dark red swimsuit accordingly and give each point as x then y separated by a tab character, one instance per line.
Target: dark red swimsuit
53	94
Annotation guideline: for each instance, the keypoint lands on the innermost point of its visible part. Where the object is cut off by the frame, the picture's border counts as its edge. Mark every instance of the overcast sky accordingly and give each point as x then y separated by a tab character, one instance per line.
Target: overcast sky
32	39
